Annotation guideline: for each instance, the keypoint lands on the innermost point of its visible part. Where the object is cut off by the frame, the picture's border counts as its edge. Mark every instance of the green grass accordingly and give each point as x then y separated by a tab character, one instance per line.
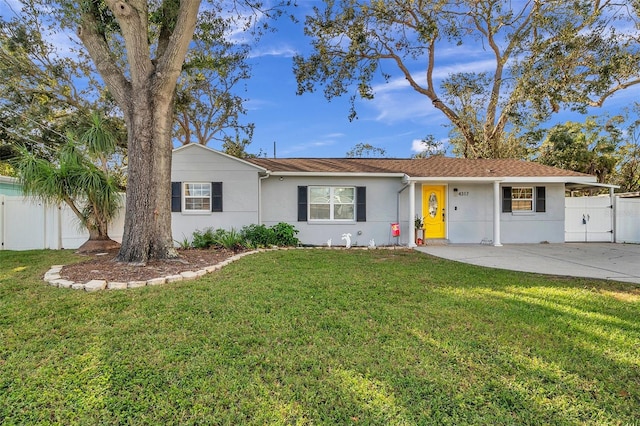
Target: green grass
320	337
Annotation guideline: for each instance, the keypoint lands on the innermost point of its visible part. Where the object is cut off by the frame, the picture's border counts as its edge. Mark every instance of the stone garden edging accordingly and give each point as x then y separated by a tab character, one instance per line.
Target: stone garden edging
53	278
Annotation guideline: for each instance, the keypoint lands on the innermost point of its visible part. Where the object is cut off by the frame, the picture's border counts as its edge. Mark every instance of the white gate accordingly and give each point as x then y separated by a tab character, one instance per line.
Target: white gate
588	219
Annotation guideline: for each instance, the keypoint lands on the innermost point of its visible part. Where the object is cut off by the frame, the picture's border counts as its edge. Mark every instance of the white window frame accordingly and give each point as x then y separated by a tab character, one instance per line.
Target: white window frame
185	197
332	204
514	200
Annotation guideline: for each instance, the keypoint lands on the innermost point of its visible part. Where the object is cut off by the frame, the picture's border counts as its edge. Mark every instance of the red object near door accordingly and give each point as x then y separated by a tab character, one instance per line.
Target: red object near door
395	229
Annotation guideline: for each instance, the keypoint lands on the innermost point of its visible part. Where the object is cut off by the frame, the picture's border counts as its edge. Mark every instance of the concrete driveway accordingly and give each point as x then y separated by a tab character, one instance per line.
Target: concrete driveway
619	262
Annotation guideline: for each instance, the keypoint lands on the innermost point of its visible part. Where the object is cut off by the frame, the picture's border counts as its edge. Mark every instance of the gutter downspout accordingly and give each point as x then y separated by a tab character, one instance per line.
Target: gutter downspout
406	185
260	179
412	214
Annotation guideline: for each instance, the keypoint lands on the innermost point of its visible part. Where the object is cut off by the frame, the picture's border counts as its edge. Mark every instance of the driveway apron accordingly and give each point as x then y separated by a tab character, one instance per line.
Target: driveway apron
619	262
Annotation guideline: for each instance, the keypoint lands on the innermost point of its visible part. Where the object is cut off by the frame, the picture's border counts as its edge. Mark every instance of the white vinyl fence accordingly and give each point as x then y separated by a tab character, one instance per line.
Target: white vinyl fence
627	220
27	224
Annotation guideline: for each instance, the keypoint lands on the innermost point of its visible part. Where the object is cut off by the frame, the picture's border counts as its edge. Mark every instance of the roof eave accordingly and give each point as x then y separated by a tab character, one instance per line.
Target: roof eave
504	179
337	174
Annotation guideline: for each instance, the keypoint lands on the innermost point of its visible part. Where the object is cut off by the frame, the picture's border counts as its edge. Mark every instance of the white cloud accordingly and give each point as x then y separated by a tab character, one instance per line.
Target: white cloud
418	146
324	141
254	104
284	51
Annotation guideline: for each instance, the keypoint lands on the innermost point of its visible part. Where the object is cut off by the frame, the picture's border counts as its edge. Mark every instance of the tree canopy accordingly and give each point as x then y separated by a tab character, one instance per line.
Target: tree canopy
589	147
525	47
44	90
366	150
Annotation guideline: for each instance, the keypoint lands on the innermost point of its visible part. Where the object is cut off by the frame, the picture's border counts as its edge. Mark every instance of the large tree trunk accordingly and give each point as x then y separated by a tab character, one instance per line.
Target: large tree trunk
147	226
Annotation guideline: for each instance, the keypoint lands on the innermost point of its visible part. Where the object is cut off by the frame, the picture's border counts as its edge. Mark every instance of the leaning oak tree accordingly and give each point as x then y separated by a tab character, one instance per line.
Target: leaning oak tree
357	42
143	88
138	48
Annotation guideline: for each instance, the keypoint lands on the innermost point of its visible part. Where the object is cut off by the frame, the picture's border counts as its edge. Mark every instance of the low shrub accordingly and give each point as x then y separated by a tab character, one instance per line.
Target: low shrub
231	240
250	236
202	239
285	235
258	236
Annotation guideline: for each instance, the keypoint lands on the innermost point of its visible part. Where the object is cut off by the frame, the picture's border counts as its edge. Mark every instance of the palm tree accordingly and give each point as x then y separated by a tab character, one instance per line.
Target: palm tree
79	177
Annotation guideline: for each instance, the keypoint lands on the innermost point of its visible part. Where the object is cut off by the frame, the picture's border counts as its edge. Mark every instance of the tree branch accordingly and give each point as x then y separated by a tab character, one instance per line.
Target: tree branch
96	44
169	65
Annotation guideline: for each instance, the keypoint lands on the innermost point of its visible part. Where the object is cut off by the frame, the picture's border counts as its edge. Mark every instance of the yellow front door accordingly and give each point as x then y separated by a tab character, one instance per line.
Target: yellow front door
433	211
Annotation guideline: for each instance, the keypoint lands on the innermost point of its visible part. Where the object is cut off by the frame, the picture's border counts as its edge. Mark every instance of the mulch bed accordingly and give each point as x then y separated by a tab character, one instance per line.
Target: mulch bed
102	266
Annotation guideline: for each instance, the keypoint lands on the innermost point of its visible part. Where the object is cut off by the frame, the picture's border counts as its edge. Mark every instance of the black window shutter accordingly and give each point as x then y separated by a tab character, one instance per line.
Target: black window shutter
176	196
302	204
216	196
541	203
361	203
506	199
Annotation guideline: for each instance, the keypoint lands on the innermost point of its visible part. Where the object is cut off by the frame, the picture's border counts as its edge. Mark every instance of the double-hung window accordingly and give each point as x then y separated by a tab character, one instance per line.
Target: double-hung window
197	197
522	199
334	203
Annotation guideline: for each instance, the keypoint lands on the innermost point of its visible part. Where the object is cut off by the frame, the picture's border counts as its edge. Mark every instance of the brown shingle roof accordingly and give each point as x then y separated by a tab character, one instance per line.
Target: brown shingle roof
425	167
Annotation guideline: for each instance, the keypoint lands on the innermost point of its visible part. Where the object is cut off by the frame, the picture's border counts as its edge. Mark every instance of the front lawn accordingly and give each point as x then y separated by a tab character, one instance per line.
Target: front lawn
377	337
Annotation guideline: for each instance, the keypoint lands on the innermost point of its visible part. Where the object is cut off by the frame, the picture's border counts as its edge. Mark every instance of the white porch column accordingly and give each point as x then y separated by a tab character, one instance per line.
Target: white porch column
412	214
496	214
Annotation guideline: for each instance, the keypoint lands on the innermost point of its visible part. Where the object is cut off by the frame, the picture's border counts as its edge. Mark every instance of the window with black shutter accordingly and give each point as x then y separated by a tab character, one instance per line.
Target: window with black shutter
524	199
216	196
176	196
361	203
302	204
541	202
332	203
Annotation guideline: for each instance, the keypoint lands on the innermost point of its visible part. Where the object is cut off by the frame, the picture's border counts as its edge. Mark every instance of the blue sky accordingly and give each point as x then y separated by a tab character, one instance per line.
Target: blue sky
397	118
310	126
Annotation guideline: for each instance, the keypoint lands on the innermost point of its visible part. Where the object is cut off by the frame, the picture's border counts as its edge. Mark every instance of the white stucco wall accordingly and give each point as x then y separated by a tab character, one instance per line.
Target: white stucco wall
470	213
470	216
239	190
537	227
280	204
